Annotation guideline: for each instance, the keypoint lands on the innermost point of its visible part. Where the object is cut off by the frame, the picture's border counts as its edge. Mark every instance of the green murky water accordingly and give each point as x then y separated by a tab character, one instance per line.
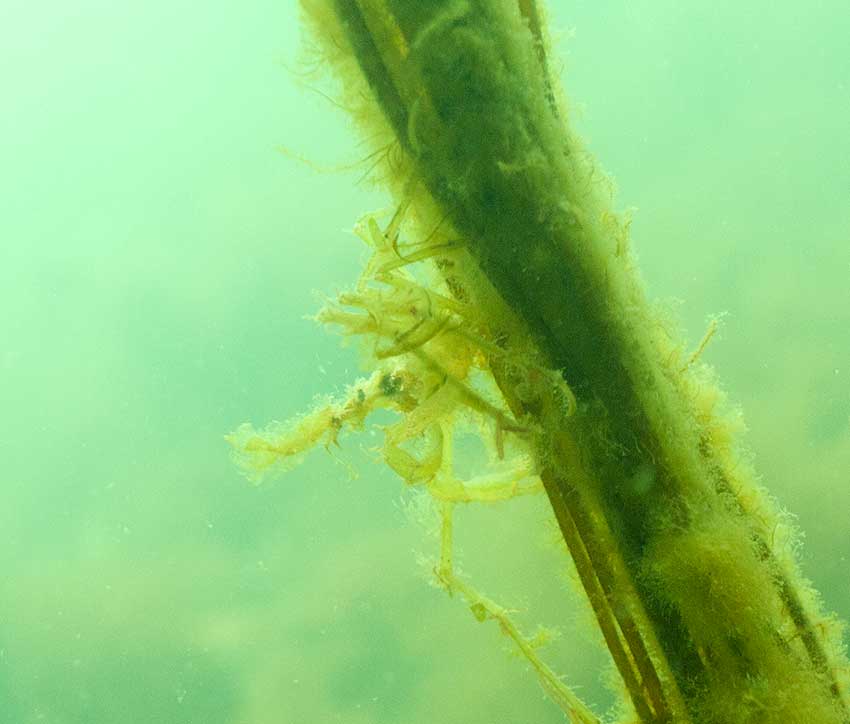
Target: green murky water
158	256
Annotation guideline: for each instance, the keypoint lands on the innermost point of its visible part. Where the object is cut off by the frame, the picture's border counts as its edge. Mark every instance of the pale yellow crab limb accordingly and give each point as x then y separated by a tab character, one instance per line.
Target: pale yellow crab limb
484	608
709	333
280	446
421	332
438	300
419	255
408	320
350	322
384	245
433	408
494	488
470	398
414	470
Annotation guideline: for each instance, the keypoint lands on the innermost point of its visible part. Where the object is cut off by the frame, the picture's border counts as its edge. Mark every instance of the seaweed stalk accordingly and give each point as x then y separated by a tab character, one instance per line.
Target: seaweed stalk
533	285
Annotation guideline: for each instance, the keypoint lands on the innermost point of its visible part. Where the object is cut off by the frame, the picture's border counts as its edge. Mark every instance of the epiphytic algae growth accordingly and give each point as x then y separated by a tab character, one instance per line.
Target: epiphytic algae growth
502	296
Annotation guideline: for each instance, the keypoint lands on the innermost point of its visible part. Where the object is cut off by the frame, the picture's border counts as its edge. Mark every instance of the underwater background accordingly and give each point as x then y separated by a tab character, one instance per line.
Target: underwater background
159	255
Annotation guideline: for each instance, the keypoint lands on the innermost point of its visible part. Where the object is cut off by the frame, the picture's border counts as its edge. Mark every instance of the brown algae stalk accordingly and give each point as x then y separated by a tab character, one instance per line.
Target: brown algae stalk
521	309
